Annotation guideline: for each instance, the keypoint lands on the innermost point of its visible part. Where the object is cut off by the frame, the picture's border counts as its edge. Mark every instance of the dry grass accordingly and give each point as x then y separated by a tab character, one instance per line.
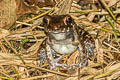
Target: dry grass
19	48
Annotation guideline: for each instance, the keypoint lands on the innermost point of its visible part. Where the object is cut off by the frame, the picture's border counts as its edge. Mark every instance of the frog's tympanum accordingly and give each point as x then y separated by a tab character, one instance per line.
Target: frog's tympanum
64	37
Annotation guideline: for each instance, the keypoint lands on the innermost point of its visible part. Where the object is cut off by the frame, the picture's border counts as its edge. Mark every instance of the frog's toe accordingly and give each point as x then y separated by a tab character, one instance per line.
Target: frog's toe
54	65
81	64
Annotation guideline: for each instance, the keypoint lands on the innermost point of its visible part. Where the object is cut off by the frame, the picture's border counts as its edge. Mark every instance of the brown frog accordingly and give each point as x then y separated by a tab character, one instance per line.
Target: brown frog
64	37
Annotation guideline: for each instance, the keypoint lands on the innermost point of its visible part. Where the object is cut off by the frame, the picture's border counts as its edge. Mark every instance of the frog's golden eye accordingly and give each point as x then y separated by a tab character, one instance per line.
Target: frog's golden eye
46	20
68	20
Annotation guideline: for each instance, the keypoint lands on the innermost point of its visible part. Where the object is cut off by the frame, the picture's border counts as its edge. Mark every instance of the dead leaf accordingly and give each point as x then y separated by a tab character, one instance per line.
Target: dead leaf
43	3
72	58
31	6
7	13
112	2
31	2
23	7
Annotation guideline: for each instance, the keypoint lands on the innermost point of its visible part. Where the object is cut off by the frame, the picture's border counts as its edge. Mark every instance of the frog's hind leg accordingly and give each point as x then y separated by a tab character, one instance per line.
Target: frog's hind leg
89	50
42	55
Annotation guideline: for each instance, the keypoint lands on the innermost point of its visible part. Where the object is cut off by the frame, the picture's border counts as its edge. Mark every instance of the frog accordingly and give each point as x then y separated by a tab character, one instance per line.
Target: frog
64	36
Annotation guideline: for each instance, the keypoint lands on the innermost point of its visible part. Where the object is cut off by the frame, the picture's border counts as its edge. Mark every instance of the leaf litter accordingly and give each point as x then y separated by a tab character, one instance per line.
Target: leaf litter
19	46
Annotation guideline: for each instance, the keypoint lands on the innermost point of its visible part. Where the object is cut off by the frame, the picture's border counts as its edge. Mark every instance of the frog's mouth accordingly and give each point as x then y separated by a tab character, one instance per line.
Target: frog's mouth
60	35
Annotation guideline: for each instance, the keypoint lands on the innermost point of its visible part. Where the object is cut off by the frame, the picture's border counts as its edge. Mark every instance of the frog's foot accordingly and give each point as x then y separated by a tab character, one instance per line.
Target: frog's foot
54	63
83	63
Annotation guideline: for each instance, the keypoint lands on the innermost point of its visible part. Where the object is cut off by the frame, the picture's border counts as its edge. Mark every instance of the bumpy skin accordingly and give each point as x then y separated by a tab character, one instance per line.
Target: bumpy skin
64	37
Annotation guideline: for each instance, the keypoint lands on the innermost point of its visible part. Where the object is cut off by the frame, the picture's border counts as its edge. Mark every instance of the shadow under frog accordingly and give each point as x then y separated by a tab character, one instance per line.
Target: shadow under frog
64	37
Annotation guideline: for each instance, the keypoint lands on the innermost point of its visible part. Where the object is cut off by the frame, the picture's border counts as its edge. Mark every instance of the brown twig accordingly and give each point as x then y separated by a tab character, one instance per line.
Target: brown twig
51	71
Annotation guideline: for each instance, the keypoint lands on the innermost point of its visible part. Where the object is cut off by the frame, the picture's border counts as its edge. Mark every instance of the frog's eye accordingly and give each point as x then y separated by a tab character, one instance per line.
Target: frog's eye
69	20
45	20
